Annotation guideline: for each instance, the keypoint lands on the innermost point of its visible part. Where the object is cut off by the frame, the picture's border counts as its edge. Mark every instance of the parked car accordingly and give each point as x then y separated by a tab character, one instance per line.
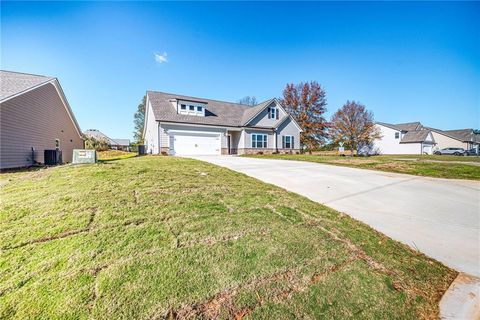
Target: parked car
450	151
472	152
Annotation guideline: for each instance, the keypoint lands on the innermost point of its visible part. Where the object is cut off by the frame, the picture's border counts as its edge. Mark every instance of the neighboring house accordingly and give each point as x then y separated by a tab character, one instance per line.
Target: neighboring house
464	138
34	116
404	138
116	144
182	125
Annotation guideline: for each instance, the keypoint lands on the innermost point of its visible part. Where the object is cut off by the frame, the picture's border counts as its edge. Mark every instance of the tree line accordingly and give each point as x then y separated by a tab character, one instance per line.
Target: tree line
351	126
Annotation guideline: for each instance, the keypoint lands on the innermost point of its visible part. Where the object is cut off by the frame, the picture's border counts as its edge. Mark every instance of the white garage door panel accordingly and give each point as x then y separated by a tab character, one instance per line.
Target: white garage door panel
195	144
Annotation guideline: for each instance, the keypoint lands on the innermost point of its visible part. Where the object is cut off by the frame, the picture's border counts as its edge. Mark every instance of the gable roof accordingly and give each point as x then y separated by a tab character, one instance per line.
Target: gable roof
14	83
17	83
409	126
252	112
463	135
217	112
415	136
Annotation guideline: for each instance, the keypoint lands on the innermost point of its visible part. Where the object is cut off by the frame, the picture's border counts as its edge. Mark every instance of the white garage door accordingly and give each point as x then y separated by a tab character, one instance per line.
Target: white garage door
195	143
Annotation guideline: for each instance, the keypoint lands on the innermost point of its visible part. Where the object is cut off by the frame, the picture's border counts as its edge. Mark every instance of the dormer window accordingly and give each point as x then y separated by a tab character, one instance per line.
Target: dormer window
397	135
190	109
272	113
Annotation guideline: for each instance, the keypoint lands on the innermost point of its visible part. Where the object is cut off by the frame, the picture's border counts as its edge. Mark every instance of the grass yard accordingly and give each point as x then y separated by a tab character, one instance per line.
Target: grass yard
163	237
450	167
114	155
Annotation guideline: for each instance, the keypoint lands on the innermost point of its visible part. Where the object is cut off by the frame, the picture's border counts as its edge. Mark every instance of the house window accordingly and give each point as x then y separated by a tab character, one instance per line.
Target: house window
397	135
199	109
259	140
272	113
192	108
288	142
183	107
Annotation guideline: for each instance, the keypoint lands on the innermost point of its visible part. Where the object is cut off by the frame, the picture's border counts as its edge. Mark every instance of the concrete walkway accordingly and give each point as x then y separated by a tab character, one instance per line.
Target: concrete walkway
438	217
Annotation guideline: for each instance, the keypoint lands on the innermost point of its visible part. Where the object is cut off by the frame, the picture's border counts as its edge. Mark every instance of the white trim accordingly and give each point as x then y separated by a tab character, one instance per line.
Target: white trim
27	90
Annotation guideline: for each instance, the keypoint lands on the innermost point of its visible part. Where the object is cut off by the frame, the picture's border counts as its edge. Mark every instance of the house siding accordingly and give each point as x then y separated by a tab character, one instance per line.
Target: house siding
35	119
288	128
447	142
389	145
151	131
262	120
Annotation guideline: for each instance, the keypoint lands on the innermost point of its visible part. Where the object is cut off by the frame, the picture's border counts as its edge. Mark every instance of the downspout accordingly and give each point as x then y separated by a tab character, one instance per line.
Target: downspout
275	142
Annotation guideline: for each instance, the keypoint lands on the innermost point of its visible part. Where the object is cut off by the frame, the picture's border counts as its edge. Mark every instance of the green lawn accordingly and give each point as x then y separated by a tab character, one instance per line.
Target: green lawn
109	155
165	237
451	167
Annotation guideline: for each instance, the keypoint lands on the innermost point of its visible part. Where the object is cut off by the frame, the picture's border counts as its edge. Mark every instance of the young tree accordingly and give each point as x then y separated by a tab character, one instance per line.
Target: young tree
138	120
249	101
353	126
306	102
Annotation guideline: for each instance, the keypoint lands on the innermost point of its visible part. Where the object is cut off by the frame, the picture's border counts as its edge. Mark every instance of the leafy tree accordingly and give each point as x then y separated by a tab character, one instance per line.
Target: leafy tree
96	144
138	120
353	126
306	102
249	101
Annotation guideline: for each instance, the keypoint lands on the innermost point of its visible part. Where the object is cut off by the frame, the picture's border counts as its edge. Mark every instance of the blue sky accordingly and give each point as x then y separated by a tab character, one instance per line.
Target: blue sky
406	61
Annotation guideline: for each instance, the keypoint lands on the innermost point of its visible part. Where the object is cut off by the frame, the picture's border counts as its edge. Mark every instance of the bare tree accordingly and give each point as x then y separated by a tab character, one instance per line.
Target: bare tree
248	100
306	103
353	126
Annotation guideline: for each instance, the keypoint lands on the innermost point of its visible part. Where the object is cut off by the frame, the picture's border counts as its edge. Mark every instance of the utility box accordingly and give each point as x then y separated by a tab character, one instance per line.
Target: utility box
84	156
52	157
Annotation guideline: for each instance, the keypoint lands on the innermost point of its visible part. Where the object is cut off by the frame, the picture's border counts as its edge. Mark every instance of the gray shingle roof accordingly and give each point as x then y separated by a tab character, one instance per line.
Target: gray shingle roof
217	112
409	126
415	136
122	142
466	135
15	82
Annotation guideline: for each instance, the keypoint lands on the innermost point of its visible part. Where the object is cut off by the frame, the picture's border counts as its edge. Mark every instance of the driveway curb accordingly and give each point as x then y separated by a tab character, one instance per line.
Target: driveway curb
462	299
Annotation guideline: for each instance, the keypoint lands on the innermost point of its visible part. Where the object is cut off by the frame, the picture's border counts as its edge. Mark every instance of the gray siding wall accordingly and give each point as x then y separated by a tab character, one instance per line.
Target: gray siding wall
35	119
261	120
164	127
288	128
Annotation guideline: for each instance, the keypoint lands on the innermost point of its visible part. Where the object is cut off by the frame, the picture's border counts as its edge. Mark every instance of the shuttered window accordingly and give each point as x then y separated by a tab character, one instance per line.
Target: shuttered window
287	142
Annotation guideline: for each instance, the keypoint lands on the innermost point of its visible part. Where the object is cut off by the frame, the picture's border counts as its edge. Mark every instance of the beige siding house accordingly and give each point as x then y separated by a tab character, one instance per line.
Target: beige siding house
462	138
34	116
183	125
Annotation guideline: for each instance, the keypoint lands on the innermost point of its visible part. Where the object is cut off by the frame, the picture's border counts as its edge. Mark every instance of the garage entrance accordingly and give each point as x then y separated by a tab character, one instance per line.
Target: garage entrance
189	143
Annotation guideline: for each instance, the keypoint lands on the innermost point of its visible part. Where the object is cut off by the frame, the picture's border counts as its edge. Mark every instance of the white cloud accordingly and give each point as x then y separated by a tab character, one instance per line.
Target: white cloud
161	58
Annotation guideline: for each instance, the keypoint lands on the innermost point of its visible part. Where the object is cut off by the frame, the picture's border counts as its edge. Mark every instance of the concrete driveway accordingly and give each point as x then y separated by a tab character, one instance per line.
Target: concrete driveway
439	217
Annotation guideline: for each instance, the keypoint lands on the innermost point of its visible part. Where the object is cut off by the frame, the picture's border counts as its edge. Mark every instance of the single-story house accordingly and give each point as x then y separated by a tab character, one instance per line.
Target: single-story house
183	125
34	116
116	144
463	138
404	138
